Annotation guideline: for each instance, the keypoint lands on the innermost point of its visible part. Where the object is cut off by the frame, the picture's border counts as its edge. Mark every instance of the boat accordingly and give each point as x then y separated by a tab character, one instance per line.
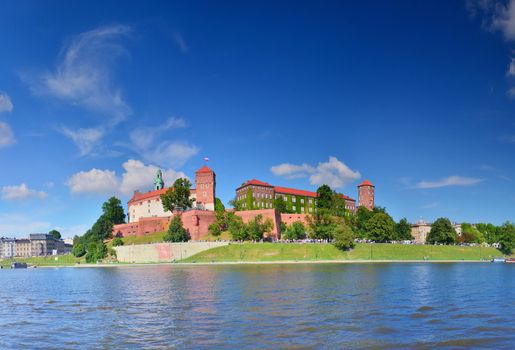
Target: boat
498	260
18	265
510	261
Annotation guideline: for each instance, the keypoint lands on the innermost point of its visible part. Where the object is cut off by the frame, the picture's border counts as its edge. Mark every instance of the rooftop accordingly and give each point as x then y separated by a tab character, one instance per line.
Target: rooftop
366	183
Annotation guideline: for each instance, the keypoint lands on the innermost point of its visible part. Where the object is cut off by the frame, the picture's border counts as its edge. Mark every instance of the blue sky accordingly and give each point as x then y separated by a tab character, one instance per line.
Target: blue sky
418	97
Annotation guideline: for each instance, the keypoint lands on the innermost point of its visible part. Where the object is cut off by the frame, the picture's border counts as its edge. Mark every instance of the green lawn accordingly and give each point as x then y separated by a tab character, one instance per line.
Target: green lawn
150	238
309	252
62	260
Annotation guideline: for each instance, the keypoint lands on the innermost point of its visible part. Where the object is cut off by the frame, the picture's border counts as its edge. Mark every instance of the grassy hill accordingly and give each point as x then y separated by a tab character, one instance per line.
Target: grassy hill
311	252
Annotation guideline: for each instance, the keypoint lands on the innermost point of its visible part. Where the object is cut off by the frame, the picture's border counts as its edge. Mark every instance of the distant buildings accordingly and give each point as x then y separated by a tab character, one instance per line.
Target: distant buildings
38	244
421	229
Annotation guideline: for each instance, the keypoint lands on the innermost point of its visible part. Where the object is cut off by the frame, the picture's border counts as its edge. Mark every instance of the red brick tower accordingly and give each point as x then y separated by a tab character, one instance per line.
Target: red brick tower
366	195
205	180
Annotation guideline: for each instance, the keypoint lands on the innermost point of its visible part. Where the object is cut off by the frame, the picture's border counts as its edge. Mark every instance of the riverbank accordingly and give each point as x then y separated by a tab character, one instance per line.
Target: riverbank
270	252
291	253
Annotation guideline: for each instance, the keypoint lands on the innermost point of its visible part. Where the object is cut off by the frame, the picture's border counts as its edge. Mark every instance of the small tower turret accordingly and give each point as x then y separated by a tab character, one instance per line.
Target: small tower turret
159	184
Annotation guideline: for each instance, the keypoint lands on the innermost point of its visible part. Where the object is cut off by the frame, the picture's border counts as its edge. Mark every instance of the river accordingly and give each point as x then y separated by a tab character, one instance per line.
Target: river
319	306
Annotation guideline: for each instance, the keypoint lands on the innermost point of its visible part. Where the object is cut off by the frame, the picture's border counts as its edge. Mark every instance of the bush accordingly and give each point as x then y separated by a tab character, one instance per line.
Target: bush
343	237
78	250
295	231
117	241
176	232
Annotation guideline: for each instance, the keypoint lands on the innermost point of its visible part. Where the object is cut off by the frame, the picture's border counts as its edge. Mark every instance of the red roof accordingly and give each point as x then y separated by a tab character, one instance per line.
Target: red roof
256	183
366	183
205	169
138	196
294	191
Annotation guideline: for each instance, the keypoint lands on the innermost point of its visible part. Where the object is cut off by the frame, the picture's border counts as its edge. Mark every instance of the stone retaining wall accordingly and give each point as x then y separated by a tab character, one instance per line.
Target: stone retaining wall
162	252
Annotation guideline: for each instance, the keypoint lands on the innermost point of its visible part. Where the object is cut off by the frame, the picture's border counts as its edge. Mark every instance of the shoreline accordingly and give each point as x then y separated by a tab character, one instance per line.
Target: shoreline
278	262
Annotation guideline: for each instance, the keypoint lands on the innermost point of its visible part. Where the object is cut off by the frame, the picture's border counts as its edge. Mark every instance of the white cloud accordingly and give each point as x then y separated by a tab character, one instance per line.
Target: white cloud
21	192
6	135
143	138
449	181
292	171
85	139
334	173
136	176
93	181
171	154
179	39
83	75
20	225
6	104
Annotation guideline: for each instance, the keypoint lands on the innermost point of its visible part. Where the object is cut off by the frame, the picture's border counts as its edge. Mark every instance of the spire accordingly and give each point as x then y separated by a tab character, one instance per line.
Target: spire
158	181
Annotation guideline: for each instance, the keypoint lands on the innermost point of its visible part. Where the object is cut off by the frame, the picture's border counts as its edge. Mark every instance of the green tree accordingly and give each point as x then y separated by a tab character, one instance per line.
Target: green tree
321	224
78	249
403	230
507	237
257	227
380	228
325	197
295	231
112	209
343	237
56	234
102	229
176	232
177	197
470	234
280	205
361	218
236	204
490	232
238	229
338	205
442	232
219	206
117	241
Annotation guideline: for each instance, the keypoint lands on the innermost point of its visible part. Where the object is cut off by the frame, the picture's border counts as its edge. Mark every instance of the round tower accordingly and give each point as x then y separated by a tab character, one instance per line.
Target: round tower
366	195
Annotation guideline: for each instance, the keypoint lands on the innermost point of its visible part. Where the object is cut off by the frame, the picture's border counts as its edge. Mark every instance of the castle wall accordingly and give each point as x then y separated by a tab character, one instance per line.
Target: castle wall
248	215
289	219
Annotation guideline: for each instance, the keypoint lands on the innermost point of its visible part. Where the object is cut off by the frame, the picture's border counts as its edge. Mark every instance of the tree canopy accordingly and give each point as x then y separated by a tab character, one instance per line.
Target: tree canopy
325	197
176	232
177	197
113	211
442	232
343	237
56	234
403	230
295	231
380	228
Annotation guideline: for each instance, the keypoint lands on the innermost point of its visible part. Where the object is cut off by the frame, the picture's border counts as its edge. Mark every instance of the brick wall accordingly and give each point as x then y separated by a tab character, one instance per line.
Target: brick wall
248	215
289	219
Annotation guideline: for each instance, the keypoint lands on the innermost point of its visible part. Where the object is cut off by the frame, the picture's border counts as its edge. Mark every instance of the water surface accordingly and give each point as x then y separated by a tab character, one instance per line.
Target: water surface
374	306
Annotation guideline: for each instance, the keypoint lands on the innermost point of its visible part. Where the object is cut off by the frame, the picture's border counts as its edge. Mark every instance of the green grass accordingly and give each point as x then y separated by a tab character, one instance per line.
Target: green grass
62	260
156	237
312	252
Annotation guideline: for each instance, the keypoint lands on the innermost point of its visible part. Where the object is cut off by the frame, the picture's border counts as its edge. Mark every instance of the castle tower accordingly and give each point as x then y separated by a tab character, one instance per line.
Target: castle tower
159	184
205	180
366	195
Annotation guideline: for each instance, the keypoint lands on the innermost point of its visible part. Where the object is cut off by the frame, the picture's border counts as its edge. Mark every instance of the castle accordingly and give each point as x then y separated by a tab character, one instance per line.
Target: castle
146	214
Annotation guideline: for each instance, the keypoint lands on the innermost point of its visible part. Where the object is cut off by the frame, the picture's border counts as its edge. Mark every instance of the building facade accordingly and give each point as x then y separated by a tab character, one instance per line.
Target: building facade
255	194
7	248
149	205
366	195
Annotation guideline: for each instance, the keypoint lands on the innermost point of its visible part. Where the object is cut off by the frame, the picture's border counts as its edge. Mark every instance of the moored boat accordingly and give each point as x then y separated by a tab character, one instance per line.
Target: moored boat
510	261
498	260
18	265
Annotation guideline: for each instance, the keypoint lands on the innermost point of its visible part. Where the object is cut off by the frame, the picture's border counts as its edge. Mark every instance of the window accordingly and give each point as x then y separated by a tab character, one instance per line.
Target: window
302	200
302	209
293	208
310	209
294	199
204	194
